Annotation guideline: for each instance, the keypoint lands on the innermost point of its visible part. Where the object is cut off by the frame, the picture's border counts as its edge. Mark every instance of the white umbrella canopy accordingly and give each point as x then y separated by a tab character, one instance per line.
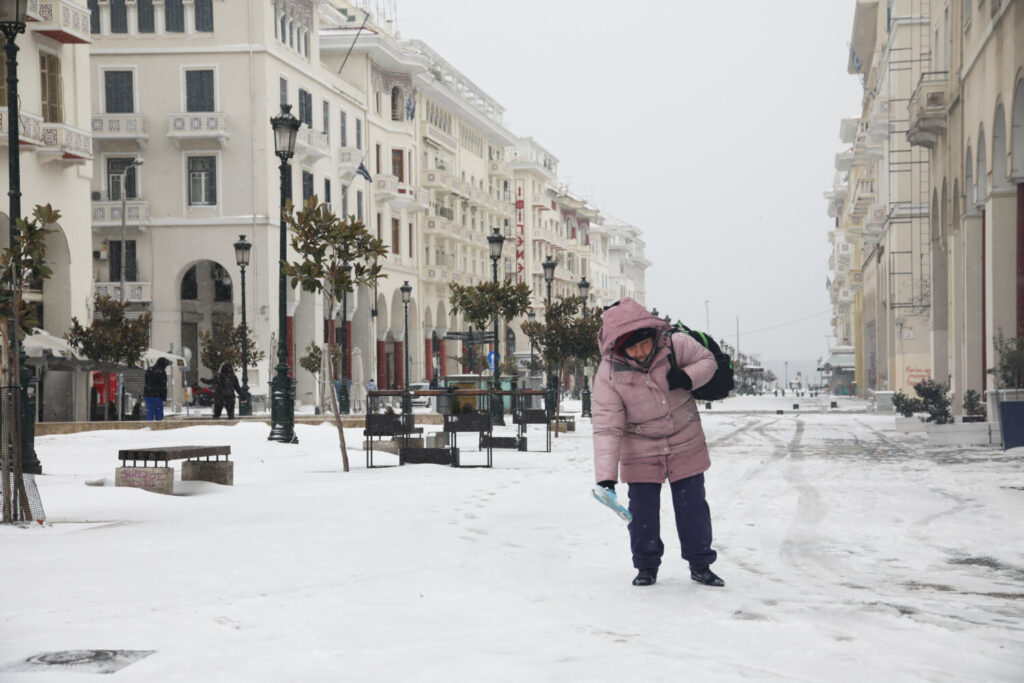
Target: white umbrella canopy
41	342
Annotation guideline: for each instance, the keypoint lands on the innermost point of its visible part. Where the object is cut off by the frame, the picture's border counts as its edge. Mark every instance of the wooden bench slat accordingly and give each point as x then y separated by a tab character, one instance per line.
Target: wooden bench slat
172	452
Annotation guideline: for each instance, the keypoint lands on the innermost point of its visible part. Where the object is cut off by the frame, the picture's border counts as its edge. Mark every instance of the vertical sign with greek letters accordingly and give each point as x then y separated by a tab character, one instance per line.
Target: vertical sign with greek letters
520	231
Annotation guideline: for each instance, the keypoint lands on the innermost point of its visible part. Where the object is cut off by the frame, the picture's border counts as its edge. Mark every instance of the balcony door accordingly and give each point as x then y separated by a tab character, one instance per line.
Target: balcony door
398	165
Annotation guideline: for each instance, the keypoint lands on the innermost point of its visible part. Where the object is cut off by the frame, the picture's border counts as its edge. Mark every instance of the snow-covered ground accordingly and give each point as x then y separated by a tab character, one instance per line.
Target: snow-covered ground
851	552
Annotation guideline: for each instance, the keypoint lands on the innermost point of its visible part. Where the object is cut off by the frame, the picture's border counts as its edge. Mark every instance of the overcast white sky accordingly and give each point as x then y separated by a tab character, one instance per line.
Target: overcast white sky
711	126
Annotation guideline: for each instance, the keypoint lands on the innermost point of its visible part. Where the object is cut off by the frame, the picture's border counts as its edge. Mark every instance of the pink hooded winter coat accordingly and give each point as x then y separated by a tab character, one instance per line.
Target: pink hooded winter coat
635	415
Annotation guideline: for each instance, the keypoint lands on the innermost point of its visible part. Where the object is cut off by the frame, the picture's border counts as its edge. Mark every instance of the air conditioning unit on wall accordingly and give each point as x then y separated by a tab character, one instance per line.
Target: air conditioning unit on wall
101	253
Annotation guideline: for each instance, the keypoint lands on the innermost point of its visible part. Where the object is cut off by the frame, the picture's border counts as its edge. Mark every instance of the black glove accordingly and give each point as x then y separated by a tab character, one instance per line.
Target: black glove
608	484
678	379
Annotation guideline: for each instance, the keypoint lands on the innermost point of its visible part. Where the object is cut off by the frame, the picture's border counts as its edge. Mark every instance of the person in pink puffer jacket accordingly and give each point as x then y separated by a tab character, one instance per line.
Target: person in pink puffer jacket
646	432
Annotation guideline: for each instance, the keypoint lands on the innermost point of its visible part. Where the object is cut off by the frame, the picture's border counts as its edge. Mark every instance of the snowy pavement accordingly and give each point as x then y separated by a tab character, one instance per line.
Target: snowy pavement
850	551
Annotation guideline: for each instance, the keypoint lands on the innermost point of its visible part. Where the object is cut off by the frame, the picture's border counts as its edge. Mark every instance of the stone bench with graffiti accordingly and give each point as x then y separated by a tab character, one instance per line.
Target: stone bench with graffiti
151	468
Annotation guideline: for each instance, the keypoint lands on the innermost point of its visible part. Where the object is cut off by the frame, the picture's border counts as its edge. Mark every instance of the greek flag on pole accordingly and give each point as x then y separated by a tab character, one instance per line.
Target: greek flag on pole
410	107
363	172
857	64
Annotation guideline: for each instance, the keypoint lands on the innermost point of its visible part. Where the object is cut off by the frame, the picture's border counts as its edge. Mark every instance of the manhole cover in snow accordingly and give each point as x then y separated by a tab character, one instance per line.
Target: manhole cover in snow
81	661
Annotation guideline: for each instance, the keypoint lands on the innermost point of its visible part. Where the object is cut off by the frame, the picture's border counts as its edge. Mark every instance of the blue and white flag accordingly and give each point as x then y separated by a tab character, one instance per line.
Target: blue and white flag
857	64
410	107
363	172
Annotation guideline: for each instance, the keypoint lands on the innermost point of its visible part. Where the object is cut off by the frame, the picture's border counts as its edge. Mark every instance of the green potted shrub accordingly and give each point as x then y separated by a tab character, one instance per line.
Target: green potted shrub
935	401
973	410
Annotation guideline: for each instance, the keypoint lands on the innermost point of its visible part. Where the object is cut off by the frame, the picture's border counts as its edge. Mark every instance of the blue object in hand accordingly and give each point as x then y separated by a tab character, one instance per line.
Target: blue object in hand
607	498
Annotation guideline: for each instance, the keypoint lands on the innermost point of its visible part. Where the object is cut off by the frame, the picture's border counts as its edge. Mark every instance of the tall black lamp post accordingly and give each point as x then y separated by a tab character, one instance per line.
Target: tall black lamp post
531	316
495	241
13	15
344	404
242	249
406	290
282	409
549	277
585	293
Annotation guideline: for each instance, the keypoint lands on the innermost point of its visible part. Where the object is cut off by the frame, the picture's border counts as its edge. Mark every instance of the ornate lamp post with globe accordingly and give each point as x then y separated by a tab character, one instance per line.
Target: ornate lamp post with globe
242	249
494	242
585	293
406	290
549	265
13	15
282	413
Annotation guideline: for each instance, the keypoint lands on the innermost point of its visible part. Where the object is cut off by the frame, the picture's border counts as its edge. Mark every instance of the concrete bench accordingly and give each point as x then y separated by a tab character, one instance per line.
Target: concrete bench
156	474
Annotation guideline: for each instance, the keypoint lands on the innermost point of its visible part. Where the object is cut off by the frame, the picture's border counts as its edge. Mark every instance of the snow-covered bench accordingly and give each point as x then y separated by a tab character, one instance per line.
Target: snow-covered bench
156	474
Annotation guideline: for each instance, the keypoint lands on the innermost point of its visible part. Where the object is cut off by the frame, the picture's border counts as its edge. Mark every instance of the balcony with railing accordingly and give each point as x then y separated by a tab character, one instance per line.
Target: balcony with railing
30	128
108	213
311	145
864	193
135	292
349	159
120	127
436	224
436	179
499	169
65	144
927	109
197	126
385	188
61	20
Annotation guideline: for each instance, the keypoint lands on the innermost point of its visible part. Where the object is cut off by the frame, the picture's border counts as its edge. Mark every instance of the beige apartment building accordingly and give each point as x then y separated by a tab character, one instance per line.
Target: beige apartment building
944	98
56	168
968	112
189	87
881	267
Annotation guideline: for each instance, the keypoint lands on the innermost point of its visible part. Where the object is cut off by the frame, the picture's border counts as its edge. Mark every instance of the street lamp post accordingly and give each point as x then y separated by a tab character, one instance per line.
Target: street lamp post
549	276
585	293
282	416
13	15
242	249
531	316
406	290
495	241
344	405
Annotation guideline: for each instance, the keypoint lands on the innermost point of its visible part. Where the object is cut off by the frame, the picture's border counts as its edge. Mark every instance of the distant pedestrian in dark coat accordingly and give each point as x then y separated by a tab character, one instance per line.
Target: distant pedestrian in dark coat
225	386
155	389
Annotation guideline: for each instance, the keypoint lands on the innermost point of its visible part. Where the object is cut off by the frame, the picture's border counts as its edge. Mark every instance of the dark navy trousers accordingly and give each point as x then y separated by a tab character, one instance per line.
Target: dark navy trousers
693	522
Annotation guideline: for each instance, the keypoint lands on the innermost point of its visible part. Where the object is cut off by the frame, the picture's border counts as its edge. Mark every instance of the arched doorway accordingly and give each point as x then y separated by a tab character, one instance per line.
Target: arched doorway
205	291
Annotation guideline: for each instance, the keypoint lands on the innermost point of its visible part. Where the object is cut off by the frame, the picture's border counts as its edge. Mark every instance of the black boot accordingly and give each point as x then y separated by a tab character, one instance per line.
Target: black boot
705	576
646	577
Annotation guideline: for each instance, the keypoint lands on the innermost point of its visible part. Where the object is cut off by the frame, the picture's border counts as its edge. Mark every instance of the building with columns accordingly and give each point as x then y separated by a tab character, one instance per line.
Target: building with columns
940	139
189	87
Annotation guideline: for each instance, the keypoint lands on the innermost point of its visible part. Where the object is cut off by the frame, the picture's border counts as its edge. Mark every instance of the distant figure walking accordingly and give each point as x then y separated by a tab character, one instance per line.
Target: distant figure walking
155	389
225	386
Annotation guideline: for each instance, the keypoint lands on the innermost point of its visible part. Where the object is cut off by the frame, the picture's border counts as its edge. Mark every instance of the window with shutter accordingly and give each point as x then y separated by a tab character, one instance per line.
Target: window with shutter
118	91
307	185
131	271
94	16
359	204
199	90
115	167
327	118
174	16
204	15
359	133
202	181
50	83
343	127
284	91
145	10
118	16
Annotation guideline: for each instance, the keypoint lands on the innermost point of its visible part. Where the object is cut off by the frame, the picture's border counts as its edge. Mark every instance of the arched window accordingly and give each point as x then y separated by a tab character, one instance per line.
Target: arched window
284	29
396	104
